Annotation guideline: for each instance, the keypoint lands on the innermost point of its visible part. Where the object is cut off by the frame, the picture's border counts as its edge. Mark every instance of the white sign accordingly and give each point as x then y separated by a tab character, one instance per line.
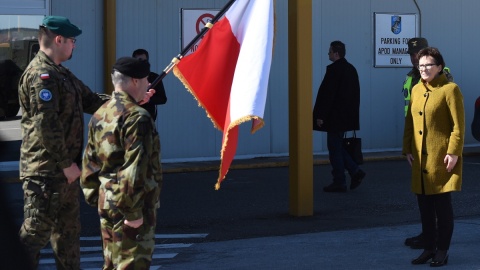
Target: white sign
193	21
392	33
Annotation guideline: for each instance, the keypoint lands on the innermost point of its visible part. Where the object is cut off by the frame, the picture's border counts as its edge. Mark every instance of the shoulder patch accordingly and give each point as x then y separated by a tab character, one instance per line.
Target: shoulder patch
45	76
45	95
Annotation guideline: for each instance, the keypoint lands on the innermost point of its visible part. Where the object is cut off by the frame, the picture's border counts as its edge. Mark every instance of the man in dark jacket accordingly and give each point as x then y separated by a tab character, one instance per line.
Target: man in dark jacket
159	97
476	120
337	111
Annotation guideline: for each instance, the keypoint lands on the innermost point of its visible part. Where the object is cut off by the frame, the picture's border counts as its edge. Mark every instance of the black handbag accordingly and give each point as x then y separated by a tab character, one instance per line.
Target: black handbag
353	145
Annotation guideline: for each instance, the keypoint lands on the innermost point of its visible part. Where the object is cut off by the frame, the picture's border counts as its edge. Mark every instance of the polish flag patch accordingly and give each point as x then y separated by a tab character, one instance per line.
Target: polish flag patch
44	76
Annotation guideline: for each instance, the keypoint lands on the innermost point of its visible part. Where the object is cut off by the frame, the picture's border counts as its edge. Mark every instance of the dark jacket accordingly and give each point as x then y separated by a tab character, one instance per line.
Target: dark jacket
476	120
157	99
338	99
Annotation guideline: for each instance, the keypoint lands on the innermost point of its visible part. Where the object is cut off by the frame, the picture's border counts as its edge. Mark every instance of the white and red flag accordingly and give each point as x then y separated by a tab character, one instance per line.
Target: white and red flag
228	73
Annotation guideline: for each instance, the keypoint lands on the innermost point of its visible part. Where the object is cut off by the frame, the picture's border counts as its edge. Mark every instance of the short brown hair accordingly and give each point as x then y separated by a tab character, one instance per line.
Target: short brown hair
434	53
45	36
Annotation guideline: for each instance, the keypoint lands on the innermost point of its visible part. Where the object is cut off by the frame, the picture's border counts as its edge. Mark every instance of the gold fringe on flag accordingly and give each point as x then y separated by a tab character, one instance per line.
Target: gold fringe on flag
180	76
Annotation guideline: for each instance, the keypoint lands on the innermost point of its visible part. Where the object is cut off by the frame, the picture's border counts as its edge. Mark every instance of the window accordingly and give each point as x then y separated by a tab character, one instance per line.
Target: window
18	45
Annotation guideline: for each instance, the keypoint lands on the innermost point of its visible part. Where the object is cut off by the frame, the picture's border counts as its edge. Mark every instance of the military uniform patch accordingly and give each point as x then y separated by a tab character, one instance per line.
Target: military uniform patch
45	95
45	76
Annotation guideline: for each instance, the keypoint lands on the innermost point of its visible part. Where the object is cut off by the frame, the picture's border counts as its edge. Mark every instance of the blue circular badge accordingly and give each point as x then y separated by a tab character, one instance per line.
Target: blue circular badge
45	95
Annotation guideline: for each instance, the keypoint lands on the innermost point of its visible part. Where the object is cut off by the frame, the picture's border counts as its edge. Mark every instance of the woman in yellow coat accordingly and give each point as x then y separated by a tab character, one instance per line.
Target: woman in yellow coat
433	144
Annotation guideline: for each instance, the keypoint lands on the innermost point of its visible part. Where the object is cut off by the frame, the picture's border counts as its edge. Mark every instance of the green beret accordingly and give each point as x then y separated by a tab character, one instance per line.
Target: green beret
132	67
61	26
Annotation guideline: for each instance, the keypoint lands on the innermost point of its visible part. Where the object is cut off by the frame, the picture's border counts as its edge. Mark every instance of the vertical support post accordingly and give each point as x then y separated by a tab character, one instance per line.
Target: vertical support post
109	41
300	107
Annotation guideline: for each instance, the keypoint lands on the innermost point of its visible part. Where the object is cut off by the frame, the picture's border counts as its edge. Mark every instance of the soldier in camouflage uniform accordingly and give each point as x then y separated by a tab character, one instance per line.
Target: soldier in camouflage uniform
53	101
121	172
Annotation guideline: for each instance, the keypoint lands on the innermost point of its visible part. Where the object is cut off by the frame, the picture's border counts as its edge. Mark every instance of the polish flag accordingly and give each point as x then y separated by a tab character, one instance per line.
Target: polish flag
228	73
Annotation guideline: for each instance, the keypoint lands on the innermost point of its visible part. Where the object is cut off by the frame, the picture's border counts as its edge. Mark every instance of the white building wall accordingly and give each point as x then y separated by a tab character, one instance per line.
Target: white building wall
87	60
186	132
450	26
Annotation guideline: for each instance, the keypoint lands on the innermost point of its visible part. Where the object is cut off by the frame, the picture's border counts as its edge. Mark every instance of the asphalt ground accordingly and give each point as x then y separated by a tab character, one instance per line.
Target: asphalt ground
371	248
249	225
254	202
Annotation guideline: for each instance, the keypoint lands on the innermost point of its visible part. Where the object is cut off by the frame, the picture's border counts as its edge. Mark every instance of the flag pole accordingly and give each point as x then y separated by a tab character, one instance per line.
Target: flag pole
179	57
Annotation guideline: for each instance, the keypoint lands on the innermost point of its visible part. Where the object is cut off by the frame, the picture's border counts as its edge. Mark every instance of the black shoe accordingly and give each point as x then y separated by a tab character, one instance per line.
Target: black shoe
333	187
440	259
357	179
424	257
416	242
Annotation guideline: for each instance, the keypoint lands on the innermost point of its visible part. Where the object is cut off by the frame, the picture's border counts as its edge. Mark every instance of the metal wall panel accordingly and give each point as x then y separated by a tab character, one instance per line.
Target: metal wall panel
463	55
24	7
277	99
381	103
87	60
453	28
186	132
382	100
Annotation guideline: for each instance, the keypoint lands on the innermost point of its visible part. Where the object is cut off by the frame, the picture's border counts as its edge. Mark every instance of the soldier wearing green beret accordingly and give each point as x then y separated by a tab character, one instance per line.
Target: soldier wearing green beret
53	101
121	173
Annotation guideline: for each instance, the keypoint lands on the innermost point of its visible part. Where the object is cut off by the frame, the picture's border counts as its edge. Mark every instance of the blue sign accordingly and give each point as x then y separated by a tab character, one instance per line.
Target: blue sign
396	25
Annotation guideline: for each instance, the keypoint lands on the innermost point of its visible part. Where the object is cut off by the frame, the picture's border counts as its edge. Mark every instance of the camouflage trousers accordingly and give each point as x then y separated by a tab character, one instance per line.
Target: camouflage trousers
51	213
125	247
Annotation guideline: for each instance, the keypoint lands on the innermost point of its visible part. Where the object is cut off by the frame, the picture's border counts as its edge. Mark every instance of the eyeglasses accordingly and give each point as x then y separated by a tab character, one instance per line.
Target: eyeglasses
426	66
73	39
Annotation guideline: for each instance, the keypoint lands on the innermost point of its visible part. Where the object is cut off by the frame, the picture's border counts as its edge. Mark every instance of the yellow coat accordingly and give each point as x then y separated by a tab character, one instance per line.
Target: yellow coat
434	127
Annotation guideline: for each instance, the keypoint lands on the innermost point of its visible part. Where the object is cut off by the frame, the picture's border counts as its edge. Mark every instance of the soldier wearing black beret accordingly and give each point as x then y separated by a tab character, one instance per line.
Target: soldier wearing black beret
132	67
124	149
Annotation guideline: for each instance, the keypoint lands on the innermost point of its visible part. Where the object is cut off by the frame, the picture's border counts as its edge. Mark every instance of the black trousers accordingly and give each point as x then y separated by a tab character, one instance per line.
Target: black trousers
436	212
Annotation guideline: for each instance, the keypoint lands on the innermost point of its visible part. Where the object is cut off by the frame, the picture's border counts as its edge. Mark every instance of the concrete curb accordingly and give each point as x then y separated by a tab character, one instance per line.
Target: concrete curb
254	163
258	164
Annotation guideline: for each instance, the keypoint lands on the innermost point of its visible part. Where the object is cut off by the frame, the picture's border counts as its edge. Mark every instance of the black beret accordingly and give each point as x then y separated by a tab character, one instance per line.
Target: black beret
416	44
61	25
132	67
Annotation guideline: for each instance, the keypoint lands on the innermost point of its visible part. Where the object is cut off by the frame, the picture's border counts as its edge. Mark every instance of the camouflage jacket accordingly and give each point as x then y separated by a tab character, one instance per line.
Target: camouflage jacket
121	163
53	101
